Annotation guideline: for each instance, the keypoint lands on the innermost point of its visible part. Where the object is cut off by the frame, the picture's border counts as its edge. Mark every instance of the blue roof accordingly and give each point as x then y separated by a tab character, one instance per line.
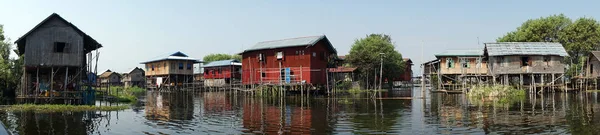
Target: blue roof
525	48
175	56
223	63
472	52
292	42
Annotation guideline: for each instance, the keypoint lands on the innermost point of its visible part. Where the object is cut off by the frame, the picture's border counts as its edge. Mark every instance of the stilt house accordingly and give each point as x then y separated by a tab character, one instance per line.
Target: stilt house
135	77
110	78
55	53
462	66
302	60
173	70
219	73
525	63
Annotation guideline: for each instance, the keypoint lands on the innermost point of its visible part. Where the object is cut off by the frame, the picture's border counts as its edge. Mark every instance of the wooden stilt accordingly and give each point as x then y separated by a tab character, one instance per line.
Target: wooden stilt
521	81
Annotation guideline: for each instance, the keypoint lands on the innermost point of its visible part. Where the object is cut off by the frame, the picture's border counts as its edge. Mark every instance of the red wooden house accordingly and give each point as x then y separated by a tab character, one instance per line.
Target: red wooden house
407	75
224	69
288	61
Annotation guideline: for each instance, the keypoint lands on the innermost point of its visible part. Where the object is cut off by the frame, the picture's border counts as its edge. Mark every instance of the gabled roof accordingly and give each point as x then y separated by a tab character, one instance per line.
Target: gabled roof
524	48
175	56
223	63
596	54
466	53
408	60
136	68
108	73
291	42
89	44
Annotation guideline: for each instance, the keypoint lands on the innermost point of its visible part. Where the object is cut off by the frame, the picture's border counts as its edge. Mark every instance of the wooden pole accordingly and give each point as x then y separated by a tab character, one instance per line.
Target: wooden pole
65	85
51	84
37	91
521	81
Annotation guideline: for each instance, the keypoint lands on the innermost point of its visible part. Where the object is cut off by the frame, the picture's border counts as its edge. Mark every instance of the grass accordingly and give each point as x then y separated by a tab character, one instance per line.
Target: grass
122	94
499	95
60	108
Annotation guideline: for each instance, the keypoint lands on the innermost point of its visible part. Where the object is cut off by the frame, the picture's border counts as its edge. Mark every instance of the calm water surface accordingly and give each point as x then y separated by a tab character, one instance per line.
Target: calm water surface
237	113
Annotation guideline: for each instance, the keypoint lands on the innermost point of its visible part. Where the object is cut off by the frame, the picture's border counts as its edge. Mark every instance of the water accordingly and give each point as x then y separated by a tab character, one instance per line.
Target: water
236	113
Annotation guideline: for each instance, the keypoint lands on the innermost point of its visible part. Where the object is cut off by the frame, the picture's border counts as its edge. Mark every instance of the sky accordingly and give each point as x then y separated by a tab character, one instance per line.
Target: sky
133	31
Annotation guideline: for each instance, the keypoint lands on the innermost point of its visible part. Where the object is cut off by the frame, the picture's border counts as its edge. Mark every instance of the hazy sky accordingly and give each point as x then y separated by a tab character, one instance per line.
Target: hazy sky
133	31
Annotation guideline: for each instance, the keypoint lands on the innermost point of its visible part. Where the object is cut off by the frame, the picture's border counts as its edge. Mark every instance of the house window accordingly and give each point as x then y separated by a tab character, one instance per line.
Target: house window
220	71
263	74
524	61
189	66
464	63
547	60
314	54
180	65
60	47
152	67
478	61
165	65
449	62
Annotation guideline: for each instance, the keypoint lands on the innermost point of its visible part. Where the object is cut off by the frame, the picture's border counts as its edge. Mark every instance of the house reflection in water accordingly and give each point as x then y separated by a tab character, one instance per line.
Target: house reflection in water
169	106
271	119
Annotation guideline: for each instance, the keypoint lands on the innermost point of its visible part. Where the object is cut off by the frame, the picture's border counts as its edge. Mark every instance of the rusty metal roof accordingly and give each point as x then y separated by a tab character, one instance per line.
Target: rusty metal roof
175	56
524	48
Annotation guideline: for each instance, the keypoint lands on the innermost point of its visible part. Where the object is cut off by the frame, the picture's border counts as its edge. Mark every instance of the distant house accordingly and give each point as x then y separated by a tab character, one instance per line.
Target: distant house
135	77
461	65
302	60
530	62
218	73
54	54
407	75
592	65
172	70
110	78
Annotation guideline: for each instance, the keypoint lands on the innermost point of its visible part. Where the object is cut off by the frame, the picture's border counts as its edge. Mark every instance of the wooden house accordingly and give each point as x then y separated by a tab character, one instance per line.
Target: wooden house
466	66
408	73
135	77
219	73
173	70
592	66
525	63
110	78
302	60
343	74
55	53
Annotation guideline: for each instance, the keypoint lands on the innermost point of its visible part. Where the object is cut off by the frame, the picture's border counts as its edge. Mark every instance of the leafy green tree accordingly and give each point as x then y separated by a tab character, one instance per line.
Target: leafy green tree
578	38
365	55
10	69
217	57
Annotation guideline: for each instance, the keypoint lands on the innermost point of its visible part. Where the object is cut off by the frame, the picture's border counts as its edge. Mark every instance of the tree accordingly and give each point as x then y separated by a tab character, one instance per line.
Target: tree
217	57
578	38
365	55
10	69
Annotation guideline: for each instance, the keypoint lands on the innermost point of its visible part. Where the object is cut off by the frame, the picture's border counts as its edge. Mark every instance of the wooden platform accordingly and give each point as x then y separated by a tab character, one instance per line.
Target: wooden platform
448	91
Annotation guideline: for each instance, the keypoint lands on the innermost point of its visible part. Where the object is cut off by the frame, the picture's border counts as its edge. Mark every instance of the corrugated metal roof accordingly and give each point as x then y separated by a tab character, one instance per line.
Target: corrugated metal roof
525	48
223	63
291	42
472	52
175	56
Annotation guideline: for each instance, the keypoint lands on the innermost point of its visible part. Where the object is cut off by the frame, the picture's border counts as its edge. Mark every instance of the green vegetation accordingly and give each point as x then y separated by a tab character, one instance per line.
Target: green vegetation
60	108
499	95
365	55
579	37
121	94
343	85
217	57
10	68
